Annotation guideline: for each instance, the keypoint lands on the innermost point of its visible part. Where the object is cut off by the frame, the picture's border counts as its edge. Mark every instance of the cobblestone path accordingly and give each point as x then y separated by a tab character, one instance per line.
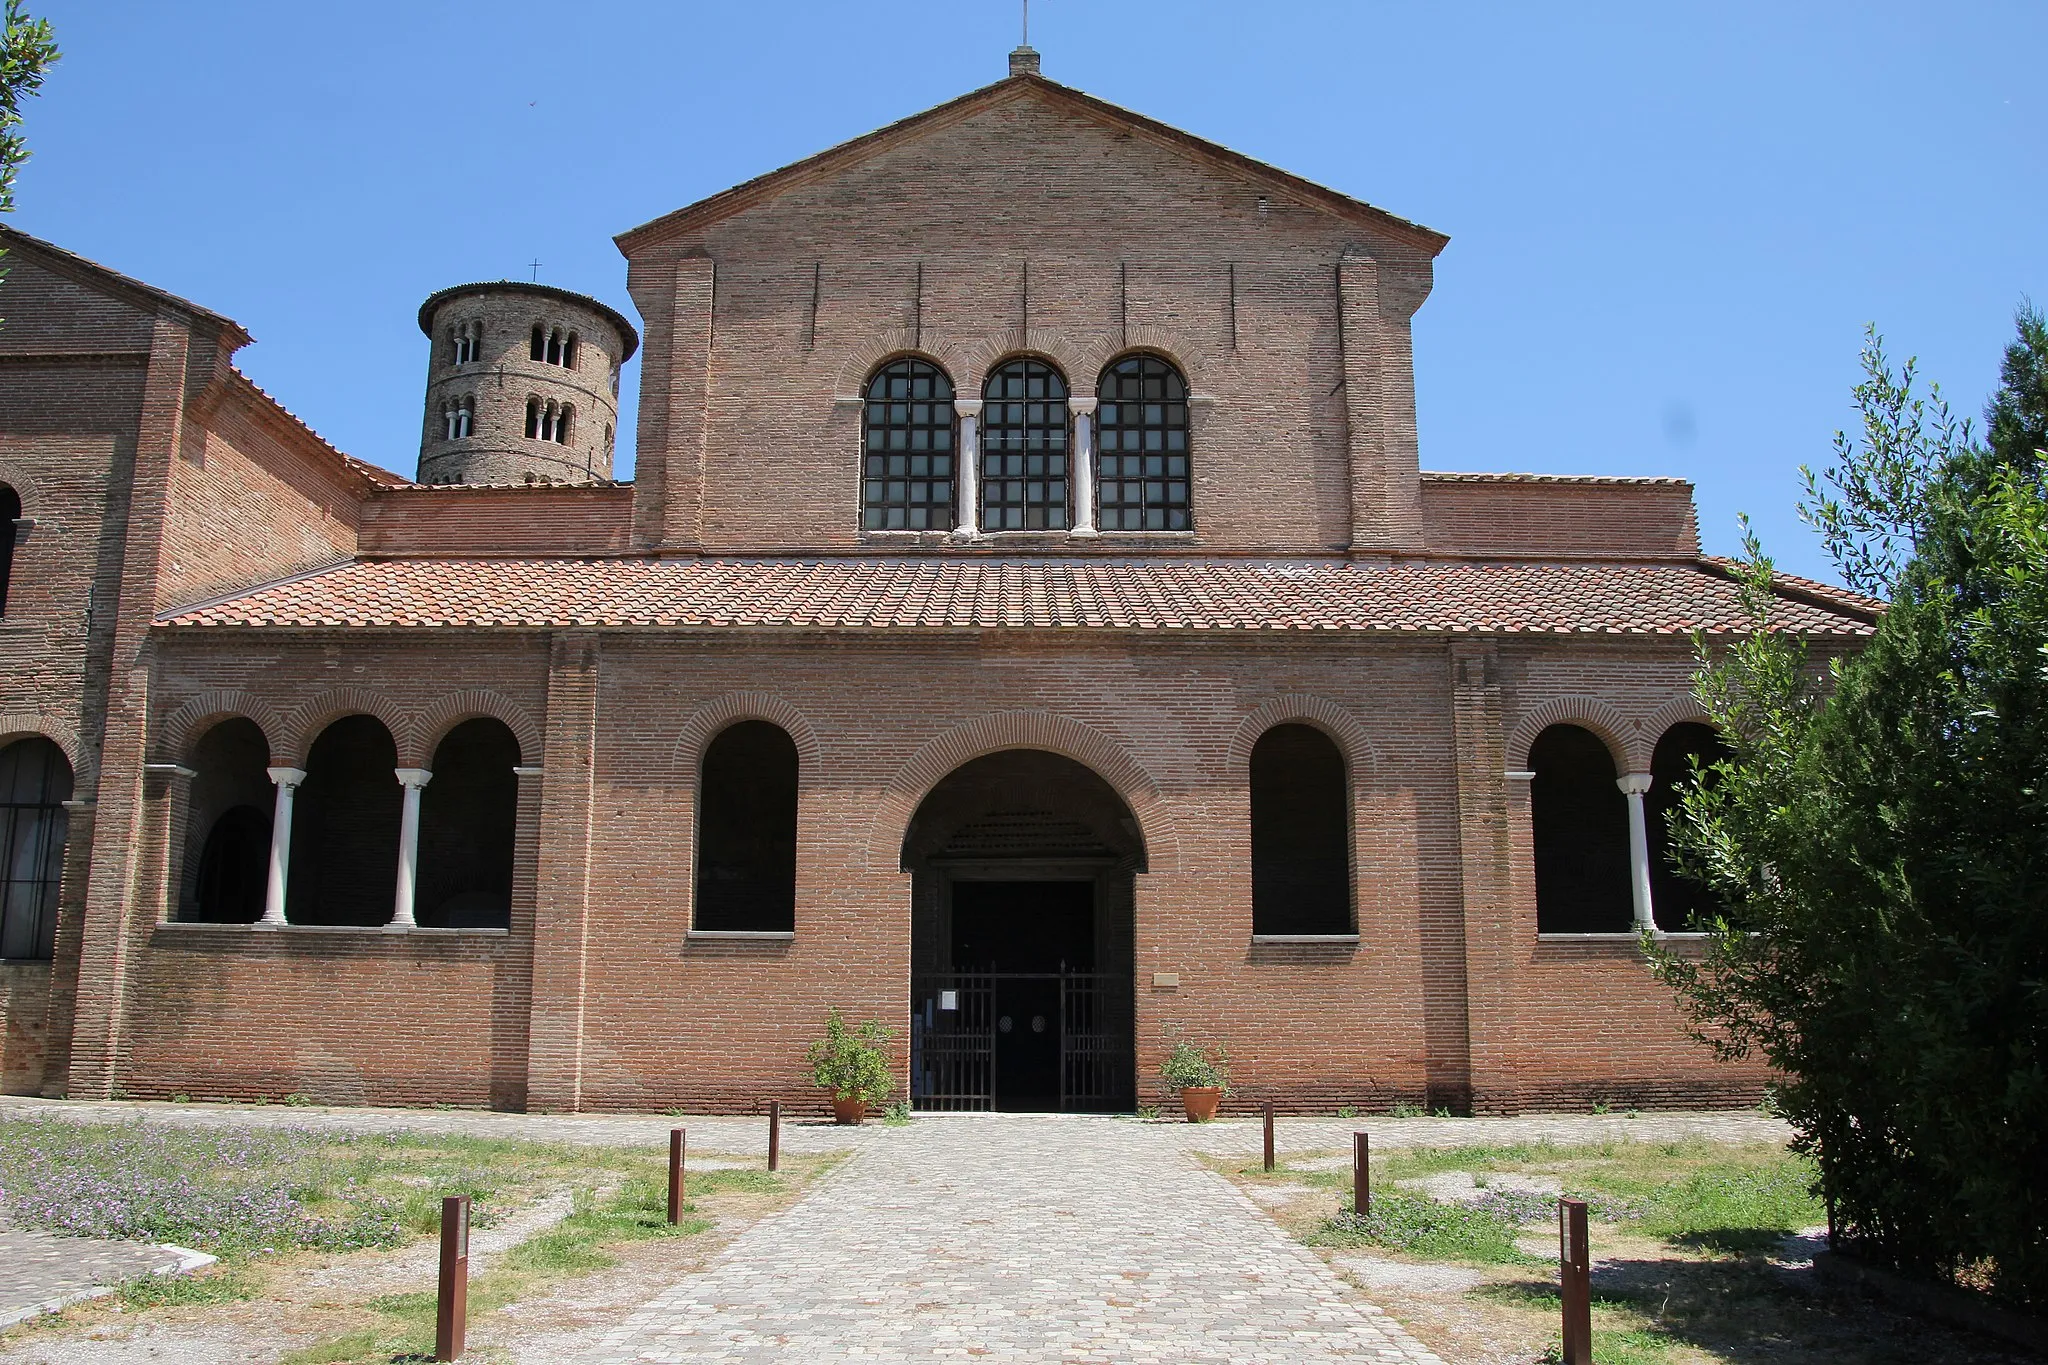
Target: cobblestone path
1015	1238
40	1272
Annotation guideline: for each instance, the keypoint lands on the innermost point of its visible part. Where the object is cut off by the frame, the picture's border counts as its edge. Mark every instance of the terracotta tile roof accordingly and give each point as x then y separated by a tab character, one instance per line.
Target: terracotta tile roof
856	593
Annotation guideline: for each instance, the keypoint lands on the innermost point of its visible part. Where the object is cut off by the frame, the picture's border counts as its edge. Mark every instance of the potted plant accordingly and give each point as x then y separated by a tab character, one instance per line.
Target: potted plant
852	1064
1201	1074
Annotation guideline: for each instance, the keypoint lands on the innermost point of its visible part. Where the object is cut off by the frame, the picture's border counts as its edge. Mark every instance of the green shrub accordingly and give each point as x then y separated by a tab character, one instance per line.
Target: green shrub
1190	1064
851	1062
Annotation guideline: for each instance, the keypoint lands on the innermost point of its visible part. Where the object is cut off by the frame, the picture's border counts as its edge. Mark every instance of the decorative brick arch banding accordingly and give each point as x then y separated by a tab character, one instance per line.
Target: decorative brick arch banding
1680	710
1002	730
182	730
433	724
1061	349
16	725
24	486
295	743
902	343
720	713
1300	709
1171	346
1589	713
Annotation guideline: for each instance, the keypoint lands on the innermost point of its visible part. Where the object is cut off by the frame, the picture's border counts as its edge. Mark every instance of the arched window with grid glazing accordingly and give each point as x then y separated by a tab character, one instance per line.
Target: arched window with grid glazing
1024	460
1142	478
907	451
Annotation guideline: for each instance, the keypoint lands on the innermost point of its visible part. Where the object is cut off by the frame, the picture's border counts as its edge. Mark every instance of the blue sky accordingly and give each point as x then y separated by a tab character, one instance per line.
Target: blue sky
1669	222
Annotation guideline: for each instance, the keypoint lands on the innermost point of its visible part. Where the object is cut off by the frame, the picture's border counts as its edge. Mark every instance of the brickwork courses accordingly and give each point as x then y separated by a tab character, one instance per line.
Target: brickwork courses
193	554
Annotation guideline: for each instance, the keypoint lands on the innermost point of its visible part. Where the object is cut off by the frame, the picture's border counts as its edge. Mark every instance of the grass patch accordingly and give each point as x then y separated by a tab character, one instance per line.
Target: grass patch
1737	1200
1423	1227
226	1285
367	1343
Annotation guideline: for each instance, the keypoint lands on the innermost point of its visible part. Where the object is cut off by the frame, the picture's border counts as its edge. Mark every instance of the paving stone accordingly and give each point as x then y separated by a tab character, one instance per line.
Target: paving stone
41	1272
1015	1238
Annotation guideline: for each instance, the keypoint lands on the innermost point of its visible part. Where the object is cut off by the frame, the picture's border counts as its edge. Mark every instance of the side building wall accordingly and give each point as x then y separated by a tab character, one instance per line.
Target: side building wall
72	368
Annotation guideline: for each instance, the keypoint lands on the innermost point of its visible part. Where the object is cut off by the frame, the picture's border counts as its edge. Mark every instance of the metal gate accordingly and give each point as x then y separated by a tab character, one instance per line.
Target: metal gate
955	1024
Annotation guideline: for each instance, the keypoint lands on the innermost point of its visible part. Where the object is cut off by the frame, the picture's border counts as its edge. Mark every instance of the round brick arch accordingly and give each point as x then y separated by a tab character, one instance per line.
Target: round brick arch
860	365
24	486
1002	730
721	712
444	715
1300	709
1680	710
1150	339
16	725
1588	713
1058	348
295	743
182	730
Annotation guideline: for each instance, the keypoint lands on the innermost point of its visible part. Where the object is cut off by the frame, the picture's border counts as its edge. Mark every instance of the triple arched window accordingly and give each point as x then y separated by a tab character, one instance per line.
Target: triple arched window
1024	448
1024	473
547	420
907	455
1142	478
458	418
553	346
466	343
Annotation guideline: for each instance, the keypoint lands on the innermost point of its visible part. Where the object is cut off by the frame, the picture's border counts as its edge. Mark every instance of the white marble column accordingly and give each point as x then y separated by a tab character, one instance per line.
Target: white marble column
412	779
969	482
1083	468
287	780
1634	785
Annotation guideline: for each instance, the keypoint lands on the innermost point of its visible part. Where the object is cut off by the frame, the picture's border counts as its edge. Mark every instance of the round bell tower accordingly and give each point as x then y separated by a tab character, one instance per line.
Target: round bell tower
522	385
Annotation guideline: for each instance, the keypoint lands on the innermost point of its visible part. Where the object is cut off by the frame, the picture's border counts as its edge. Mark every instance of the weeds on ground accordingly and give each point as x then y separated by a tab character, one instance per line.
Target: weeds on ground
587	1240
1426	1228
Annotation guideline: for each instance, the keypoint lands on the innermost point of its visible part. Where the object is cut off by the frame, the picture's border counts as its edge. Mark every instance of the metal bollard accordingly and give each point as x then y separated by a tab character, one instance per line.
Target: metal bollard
1269	1135
676	1139
451	1311
1575	1280
1361	1174
774	1134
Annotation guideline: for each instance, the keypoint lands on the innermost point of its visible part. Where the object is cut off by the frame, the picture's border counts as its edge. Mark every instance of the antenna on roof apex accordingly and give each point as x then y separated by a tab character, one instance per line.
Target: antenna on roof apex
1024	61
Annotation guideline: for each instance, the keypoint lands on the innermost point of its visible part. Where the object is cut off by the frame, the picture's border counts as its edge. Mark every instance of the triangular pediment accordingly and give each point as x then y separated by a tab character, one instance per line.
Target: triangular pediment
849	156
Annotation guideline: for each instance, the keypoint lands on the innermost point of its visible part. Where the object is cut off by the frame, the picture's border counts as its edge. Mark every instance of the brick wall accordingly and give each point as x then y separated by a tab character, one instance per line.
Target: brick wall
1512	516
253	499
497	521
1033	227
24	1013
630	1012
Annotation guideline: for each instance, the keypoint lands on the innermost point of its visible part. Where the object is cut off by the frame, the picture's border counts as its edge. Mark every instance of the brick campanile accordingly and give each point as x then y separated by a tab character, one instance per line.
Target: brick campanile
522	385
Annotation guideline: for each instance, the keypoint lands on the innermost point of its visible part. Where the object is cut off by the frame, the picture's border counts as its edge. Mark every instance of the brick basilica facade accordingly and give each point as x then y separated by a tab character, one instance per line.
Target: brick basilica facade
1028	625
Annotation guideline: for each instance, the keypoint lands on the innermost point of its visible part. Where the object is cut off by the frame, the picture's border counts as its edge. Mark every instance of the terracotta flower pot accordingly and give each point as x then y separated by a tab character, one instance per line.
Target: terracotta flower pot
849	1111
1201	1102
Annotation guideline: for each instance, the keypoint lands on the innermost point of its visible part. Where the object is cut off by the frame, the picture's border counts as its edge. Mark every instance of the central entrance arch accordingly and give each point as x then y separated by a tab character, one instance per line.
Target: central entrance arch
1022	945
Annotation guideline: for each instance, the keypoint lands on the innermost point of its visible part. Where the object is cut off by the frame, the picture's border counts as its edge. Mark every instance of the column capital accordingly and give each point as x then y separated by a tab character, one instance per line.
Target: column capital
1081	407
413	777
286	777
1519	775
1634	784
520	771
170	770
967	407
